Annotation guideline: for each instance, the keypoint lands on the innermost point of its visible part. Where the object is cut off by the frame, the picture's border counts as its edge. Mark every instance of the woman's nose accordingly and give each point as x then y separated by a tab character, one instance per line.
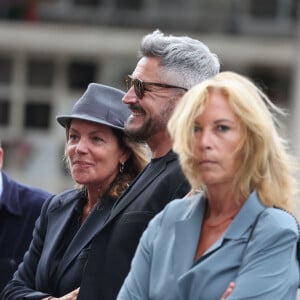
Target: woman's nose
205	139
81	146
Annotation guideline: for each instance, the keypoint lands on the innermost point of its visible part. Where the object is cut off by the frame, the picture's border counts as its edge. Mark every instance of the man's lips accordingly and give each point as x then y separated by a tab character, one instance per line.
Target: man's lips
136	110
136	113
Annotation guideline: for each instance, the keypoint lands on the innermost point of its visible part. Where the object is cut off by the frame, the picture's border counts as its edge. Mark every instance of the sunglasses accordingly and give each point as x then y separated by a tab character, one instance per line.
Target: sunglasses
141	86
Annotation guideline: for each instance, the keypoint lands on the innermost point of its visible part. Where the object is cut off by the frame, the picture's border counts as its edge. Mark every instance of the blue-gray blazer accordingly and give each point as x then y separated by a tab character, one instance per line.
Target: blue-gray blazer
265	267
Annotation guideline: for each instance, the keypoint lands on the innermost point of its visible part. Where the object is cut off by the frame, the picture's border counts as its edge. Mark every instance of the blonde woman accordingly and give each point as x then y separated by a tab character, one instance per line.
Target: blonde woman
232	229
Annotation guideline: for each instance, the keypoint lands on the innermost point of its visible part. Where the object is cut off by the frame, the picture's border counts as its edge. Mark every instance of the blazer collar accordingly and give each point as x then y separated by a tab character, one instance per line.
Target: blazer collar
241	223
245	218
186	234
86	233
59	212
187	229
153	169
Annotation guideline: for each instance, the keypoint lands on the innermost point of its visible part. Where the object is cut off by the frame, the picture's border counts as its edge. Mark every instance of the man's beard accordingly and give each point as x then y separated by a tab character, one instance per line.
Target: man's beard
151	126
148	129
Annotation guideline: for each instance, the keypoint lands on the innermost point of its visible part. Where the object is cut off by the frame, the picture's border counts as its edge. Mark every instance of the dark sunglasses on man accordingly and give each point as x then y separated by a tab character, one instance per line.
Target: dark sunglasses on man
141	86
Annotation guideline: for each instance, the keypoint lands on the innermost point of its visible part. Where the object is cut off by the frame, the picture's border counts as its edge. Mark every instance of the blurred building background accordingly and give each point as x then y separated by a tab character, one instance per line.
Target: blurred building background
50	51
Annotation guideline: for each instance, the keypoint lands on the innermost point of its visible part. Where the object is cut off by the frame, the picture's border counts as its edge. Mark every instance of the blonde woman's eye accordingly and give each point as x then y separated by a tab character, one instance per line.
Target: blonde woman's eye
223	128
197	129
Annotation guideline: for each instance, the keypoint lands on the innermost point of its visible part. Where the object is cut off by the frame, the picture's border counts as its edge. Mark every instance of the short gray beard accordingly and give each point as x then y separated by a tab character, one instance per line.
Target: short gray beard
151	126
143	133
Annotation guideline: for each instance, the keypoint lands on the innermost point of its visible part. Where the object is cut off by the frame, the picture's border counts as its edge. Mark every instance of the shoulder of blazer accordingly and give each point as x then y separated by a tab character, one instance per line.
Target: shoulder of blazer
170	156
19	198
170	160
182	209
63	199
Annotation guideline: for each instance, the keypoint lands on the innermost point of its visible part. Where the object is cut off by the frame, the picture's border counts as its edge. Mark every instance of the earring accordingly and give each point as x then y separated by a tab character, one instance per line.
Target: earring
122	167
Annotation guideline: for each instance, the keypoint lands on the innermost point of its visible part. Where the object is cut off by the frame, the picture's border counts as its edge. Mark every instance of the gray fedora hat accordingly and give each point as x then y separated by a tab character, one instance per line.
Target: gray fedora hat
100	104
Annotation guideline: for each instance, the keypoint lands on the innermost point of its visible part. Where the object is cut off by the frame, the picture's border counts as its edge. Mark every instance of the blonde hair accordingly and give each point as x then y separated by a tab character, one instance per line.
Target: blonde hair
266	165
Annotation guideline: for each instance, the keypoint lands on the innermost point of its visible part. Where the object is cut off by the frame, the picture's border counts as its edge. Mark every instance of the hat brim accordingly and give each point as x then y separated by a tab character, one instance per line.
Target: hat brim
64	120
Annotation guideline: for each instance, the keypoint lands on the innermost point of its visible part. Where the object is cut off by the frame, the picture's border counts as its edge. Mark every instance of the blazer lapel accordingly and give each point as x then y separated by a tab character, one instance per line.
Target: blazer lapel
137	187
244	219
58	219
85	234
186	237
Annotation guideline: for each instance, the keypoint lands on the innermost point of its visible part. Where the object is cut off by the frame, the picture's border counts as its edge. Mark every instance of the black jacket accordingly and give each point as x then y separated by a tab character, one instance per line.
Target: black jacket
58	252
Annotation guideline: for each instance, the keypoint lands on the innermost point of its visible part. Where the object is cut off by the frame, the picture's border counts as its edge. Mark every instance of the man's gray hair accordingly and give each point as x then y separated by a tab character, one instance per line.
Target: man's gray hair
184	60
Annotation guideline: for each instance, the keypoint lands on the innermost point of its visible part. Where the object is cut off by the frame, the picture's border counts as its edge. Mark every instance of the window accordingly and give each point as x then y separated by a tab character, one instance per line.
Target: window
265	8
4	111
295	9
273	8
87	2
275	82
40	72
37	115
5	70
129	4
80	74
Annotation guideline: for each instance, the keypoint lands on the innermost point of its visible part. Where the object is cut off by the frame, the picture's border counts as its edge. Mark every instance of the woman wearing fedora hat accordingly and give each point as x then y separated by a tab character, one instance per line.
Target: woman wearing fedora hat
103	163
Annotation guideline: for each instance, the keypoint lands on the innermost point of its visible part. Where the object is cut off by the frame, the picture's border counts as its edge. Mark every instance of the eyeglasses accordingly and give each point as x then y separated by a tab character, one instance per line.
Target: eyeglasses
141	86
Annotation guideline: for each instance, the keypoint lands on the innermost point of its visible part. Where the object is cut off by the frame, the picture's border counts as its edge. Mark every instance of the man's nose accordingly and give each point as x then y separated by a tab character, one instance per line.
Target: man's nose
130	97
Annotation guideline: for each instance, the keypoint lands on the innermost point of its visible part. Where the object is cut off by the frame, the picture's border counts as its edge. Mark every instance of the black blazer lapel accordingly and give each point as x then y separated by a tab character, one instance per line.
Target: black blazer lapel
58	217
84	235
137	187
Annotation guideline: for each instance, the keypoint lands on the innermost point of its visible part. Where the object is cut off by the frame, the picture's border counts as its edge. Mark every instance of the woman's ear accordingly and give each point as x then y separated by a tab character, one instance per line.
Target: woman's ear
125	155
